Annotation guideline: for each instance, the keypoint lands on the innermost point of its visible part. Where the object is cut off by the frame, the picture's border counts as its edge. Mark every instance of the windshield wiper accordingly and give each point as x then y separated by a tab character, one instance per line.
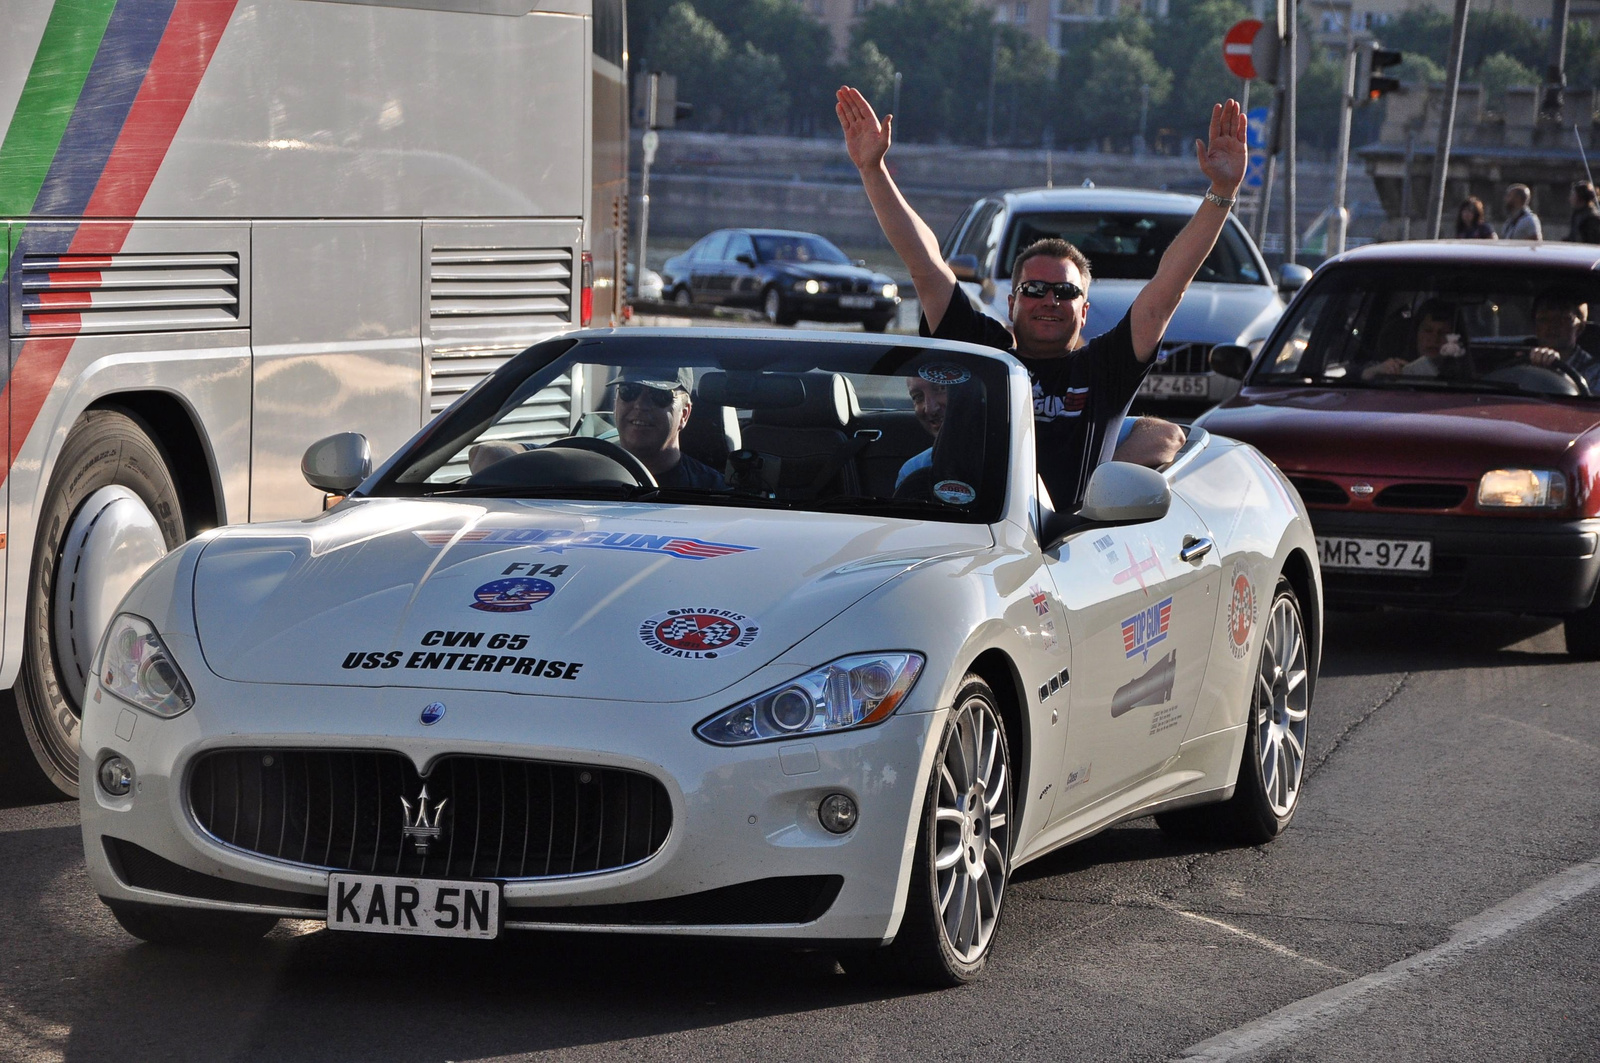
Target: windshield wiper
846	503
609	492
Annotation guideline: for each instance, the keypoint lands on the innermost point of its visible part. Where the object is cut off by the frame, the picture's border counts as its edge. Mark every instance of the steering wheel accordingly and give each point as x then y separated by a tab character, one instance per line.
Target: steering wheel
1571	374
635	468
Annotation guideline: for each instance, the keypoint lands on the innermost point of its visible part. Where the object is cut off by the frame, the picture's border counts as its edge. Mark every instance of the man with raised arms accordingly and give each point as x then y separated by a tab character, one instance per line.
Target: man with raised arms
1081	391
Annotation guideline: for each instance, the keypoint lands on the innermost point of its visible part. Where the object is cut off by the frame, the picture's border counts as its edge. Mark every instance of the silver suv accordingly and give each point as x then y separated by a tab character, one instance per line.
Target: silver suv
1123	233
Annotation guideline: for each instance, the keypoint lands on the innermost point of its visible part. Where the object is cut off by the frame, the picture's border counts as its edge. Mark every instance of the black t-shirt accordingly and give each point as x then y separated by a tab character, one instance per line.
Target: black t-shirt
1078	400
692	475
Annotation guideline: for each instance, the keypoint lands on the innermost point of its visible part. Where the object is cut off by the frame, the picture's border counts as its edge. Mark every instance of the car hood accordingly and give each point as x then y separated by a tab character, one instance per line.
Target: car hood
826	271
1209	313
649	602
1399	433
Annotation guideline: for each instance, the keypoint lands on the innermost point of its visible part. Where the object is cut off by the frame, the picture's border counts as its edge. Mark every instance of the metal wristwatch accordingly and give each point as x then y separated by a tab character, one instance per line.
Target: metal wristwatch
1225	204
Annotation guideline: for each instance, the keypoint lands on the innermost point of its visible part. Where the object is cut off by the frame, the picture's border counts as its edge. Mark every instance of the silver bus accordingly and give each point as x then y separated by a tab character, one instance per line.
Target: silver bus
231	227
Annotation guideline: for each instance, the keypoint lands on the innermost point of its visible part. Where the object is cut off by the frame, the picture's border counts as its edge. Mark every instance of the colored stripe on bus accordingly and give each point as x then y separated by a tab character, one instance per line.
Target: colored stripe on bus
148	104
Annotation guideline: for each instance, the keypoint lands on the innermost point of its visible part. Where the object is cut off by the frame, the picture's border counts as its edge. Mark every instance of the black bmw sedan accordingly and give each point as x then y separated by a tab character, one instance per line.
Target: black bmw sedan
786	275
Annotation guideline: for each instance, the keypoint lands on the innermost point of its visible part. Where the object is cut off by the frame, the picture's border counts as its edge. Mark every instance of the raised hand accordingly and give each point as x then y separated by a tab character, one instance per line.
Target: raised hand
865	138
1225	156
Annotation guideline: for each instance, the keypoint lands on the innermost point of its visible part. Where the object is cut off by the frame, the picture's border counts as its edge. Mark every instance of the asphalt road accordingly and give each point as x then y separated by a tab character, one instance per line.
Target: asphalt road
1437	897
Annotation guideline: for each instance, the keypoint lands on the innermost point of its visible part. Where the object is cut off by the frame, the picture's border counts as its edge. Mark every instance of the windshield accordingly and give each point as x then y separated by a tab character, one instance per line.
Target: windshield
798	247
1127	245
1439	328
822	426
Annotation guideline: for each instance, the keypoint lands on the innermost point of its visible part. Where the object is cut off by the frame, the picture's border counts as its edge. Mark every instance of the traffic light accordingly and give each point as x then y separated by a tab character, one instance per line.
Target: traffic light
1376	61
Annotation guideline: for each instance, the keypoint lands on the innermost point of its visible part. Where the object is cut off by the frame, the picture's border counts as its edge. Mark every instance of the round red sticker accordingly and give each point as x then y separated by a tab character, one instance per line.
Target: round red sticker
698	634
1241	614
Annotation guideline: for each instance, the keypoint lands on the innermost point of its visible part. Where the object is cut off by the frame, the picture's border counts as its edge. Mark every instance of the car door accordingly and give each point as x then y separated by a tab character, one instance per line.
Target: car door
1140	619
706	268
742	285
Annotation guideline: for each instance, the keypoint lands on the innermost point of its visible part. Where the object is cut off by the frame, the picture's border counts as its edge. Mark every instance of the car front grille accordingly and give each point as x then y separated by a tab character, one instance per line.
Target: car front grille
1174	358
1421	496
1317	492
499	818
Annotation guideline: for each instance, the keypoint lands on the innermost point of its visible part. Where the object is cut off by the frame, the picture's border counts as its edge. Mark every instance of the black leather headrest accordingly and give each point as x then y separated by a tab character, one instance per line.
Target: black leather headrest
830	402
745	390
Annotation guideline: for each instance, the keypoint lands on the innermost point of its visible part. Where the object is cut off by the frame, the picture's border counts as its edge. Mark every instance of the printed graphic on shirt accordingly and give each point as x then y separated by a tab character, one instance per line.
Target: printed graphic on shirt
1058	407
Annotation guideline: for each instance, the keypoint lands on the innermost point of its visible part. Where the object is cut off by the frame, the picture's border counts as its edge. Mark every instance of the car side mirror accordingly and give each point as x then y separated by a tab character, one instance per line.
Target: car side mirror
861	262
1231	360
1122	493
746	259
965	267
1292	276
338	463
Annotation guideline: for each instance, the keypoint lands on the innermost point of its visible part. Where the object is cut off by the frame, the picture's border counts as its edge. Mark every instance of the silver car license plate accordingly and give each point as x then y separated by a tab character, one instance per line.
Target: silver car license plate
856	302
1406	556
1176	386
376	904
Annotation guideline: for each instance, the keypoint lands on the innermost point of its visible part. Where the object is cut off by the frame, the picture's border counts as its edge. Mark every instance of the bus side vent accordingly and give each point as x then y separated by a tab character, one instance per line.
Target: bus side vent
72	294
476	293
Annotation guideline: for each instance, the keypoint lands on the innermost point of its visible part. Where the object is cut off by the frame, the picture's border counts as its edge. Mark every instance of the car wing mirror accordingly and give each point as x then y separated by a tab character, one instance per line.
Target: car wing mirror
338	463
965	267
746	259
1292	276
1230	360
1122	493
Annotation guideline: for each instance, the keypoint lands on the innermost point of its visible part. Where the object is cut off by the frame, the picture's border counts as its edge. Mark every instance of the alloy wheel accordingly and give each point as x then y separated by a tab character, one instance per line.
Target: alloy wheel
1282	699
972	829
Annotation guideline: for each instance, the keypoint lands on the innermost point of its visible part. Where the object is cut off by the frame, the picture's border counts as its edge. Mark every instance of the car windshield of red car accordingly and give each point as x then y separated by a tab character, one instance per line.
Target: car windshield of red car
1440	328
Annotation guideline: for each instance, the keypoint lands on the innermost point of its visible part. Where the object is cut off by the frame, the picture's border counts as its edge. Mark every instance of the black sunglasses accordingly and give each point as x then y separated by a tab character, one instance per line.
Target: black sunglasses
1066	291
631	392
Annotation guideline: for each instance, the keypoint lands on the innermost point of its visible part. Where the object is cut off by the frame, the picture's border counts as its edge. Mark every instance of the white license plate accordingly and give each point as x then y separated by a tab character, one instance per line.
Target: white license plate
856	302
375	904
1176	385
1413	556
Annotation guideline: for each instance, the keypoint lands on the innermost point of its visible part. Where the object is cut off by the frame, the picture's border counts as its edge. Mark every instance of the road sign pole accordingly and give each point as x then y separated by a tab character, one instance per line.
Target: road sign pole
1346	108
1290	67
652	99
1447	122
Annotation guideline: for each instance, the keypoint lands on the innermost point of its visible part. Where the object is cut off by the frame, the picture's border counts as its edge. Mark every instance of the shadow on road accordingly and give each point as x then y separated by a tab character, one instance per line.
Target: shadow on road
1398	640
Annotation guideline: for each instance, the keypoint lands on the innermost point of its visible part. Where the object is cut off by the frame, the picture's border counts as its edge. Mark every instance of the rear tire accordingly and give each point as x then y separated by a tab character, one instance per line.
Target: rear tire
105	447
953	911
190	927
1272	771
1583	633
683	297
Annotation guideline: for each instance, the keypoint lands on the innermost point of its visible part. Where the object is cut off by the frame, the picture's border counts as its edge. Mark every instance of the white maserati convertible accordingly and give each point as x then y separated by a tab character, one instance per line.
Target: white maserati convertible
831	678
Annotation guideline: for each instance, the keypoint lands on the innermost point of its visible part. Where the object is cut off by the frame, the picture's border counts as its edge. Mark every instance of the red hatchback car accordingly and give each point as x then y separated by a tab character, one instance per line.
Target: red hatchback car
1438	408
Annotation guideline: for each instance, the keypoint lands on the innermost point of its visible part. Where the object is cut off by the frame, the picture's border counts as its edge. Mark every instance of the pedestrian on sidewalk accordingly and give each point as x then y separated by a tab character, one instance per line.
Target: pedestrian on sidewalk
1585	228
1469	221
1521	223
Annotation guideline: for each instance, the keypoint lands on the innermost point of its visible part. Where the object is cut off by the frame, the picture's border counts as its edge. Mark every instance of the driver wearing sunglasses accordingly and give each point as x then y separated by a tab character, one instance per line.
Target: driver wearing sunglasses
651	409
1081	390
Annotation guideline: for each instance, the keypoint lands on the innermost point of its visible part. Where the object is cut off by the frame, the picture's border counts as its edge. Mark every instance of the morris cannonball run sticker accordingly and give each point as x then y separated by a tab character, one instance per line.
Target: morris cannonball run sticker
954	492
1241	614
698	634
944	374
515	595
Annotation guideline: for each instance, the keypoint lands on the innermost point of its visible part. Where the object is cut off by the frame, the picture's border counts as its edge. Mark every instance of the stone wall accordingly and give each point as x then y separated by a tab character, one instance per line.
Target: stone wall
706	181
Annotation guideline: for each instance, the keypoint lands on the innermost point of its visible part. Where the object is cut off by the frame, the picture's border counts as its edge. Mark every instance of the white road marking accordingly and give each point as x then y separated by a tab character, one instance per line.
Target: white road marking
1543	731
1340	1002
1264	942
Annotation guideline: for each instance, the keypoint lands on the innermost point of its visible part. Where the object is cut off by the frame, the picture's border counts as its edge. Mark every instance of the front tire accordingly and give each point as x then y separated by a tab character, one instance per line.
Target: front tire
190	927
877	324
1273	767
105	448
963	853
1583	633
776	308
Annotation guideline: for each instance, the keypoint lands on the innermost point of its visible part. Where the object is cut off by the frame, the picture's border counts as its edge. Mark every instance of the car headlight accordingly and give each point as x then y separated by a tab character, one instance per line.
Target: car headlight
1522	489
855	691
137	667
891	290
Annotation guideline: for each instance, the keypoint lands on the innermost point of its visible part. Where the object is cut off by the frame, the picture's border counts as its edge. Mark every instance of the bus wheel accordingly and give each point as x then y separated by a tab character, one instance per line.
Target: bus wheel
111	512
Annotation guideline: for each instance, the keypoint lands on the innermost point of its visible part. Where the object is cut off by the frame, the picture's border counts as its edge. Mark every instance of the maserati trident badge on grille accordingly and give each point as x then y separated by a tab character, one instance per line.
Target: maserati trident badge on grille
421	829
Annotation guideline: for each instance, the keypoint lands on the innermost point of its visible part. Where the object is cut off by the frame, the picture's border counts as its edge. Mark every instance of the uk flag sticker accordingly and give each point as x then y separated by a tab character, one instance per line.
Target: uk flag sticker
698	634
1146	628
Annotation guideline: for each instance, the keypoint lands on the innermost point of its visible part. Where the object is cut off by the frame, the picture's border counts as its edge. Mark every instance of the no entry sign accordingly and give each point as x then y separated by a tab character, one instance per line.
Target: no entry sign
1236	48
